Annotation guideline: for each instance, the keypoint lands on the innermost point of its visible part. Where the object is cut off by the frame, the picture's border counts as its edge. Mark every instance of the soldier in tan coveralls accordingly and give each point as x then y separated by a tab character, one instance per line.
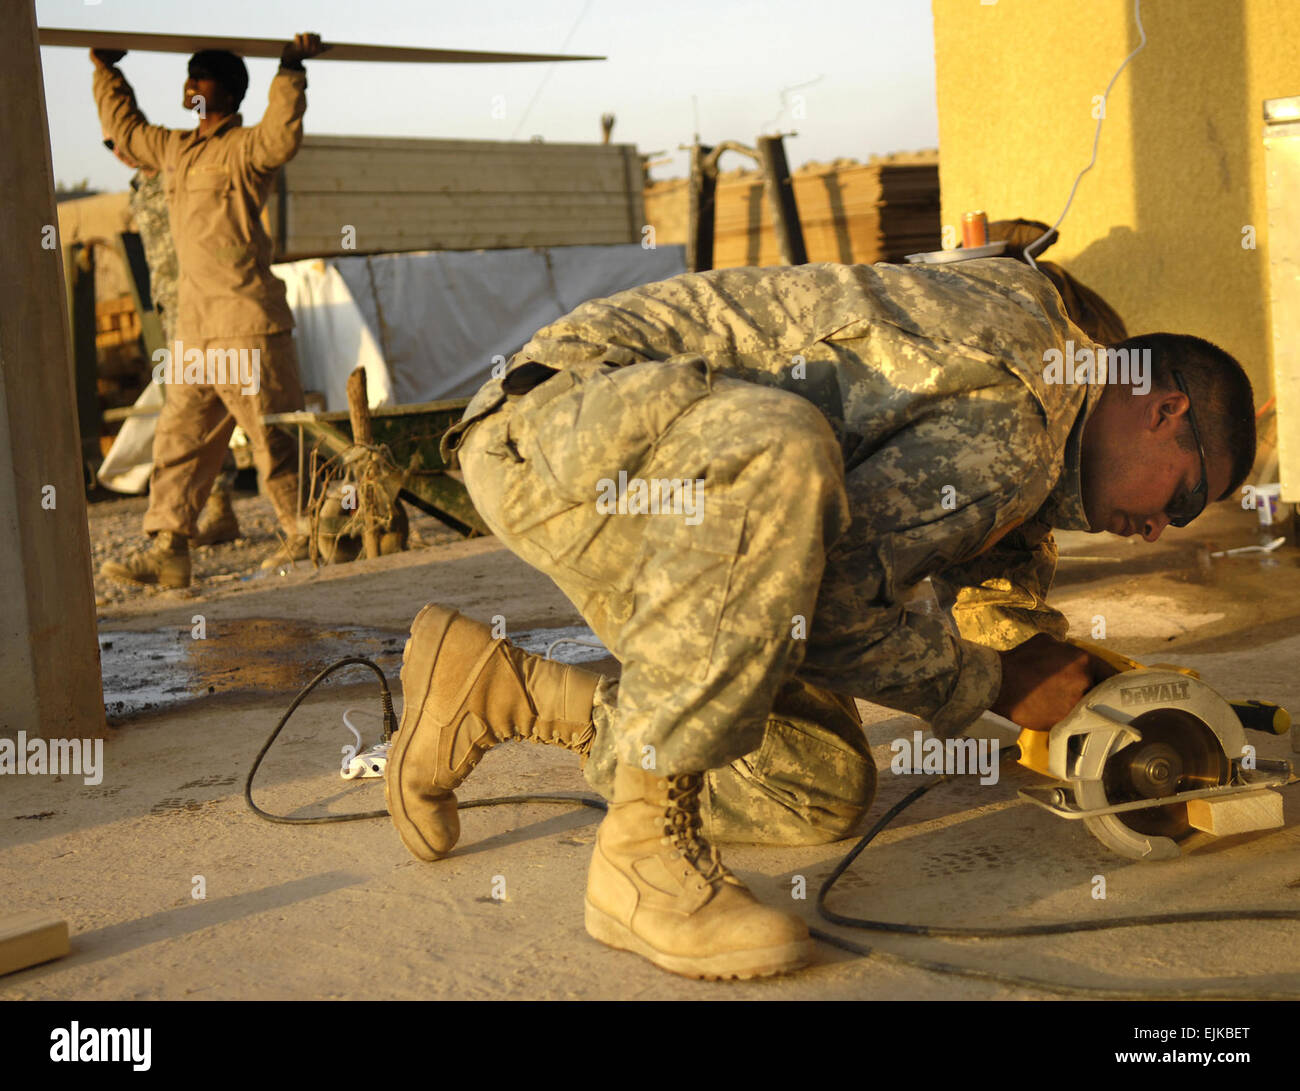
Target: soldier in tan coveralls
853	430
148	201
231	307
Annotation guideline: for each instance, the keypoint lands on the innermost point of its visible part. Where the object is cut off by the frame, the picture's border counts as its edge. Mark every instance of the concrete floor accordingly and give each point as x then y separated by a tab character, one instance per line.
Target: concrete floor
341	911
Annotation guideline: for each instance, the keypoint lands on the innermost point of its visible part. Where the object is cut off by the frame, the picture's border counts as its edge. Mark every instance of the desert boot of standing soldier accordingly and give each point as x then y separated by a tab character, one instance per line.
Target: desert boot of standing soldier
233	359
737	477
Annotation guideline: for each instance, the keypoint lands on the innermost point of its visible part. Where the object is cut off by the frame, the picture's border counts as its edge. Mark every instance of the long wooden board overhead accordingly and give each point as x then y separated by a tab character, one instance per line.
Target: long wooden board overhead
271	47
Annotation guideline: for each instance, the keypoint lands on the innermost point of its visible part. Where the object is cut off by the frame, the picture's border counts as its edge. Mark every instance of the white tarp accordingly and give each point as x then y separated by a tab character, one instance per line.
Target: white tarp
331	336
127	465
442	316
427	326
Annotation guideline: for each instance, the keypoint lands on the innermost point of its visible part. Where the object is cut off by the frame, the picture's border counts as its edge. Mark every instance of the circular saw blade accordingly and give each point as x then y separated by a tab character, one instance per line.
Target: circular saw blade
1177	753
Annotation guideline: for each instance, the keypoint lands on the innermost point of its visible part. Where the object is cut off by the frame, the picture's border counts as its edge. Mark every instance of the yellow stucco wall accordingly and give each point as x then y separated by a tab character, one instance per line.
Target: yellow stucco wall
1157	225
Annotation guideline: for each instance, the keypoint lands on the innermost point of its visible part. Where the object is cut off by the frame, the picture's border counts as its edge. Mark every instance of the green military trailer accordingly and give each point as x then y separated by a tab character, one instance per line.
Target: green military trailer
412	434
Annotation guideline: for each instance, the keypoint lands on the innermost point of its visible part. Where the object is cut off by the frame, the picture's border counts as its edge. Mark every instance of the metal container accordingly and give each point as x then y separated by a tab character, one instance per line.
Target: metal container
974	229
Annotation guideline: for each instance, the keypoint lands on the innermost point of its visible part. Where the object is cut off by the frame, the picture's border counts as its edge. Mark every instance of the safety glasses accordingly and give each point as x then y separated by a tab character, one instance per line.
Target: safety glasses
1189	505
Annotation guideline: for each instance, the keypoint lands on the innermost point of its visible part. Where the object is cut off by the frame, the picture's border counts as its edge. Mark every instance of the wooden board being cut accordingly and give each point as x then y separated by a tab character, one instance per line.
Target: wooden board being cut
271	47
1242	813
30	938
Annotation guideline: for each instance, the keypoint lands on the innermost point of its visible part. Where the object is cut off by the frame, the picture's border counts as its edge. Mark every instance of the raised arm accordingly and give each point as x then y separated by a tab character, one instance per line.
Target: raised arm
120	117
276	138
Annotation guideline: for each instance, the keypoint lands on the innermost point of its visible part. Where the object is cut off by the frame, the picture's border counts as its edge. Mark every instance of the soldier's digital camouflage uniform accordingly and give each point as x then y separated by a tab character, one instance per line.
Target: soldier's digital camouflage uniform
856	429
148	202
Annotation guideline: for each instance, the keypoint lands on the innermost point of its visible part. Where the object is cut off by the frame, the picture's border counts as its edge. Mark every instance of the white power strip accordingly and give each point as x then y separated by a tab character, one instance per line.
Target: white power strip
359	763
371	763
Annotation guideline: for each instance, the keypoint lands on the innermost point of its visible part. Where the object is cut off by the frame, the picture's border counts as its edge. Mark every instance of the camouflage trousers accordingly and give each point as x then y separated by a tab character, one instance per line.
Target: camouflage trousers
703	592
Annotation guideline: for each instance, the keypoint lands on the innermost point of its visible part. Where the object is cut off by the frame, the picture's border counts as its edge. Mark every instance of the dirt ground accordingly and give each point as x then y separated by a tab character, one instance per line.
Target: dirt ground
342	911
116	533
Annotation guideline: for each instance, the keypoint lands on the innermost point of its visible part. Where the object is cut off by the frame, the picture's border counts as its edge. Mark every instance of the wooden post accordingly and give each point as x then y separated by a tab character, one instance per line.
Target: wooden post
131	250
700	211
780	200
49	650
79	273
359	413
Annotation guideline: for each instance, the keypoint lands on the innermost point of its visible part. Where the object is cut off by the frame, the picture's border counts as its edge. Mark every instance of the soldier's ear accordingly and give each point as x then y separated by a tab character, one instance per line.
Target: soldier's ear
1163	408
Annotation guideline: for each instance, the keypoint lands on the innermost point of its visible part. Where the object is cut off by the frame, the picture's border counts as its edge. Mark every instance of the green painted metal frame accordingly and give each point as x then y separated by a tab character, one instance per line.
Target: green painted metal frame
412	433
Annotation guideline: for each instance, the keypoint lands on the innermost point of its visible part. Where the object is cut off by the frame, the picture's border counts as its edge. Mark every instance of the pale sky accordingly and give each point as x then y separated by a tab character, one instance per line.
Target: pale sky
670	62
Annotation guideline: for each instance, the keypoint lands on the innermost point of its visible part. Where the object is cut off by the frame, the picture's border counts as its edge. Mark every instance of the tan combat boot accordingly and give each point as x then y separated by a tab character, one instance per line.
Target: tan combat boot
464	692
658	888
217	522
166	563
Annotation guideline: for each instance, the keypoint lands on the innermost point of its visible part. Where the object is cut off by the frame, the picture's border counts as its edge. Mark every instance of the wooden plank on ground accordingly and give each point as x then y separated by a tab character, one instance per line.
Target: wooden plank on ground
31	937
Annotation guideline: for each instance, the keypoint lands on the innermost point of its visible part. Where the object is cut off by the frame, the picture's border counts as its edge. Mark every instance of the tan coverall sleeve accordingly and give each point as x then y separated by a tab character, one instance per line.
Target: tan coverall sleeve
124	124
275	139
999	599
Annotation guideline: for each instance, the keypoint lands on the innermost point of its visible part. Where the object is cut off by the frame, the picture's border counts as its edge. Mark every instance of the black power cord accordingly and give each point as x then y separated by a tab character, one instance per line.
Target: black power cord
390	728
1181	992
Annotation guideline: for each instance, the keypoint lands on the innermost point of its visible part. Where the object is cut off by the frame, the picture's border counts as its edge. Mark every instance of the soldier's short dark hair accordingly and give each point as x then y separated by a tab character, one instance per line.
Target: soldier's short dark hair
226	68
1220	394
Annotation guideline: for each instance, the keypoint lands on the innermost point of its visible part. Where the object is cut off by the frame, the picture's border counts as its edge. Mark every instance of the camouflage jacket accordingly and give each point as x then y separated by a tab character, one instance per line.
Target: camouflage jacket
959	457
149	209
216	186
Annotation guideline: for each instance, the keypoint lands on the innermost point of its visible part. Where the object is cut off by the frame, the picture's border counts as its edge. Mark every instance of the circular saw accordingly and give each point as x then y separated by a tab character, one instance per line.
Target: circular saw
1153	755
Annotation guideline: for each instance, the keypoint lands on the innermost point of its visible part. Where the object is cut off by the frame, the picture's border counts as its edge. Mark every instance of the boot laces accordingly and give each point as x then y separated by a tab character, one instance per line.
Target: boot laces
683	825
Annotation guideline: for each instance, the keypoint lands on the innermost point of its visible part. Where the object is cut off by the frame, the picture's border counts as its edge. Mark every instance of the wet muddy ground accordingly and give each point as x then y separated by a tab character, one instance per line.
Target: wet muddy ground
152	670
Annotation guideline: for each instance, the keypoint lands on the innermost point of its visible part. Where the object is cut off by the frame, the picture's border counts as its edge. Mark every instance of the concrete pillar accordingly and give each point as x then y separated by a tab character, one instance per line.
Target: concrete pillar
49	650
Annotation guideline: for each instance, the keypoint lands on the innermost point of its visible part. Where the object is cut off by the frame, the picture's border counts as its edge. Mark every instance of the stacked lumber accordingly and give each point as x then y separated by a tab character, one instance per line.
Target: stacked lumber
122	369
400	194
116	322
850	212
